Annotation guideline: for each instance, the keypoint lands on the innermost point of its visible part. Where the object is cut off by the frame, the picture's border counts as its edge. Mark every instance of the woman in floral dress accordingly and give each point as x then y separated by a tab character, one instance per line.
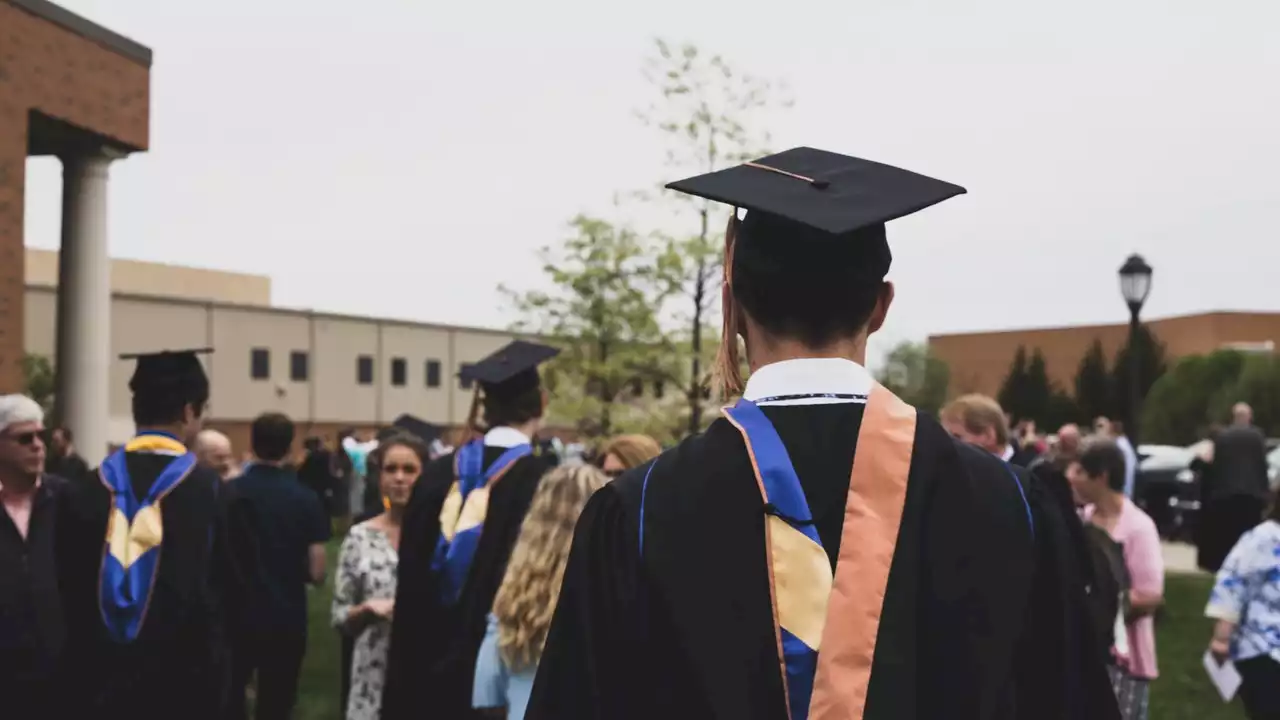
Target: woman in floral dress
365	588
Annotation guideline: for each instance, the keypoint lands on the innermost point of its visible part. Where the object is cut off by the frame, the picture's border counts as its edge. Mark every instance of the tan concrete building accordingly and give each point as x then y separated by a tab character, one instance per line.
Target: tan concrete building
979	361
326	371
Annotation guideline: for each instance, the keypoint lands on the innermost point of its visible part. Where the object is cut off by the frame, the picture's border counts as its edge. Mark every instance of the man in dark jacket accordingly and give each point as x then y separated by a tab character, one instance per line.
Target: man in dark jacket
32	631
1235	488
289	529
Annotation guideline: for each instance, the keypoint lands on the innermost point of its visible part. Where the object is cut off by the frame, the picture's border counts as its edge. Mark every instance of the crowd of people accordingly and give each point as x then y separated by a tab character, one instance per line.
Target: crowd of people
1238	538
822	550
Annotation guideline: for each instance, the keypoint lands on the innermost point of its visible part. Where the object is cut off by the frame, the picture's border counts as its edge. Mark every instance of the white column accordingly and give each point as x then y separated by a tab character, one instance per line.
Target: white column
84	305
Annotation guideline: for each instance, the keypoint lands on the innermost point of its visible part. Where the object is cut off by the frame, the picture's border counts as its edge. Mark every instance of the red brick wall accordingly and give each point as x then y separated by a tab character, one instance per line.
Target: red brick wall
980	361
48	68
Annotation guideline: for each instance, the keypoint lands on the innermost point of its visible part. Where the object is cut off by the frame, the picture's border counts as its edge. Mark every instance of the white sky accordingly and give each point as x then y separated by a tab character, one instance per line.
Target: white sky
401	158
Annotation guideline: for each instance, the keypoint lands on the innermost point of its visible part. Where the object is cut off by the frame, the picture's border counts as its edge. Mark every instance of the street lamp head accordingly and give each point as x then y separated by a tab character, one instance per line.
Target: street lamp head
1135	282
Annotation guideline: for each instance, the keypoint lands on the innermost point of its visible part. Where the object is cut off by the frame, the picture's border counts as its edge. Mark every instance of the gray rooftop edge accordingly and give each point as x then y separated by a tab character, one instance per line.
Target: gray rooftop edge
63	17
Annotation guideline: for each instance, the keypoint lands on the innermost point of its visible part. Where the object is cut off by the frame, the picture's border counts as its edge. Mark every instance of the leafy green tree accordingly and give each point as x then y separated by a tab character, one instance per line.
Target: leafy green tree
1178	408
1094	396
916	375
1014	388
705	110
1038	393
1259	385
604	311
38	380
1062	409
1150	353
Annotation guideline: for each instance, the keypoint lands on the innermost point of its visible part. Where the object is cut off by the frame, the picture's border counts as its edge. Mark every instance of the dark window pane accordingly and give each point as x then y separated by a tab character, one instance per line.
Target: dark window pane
298	366
398	372
433	373
659	389
637	387
364	370
260	363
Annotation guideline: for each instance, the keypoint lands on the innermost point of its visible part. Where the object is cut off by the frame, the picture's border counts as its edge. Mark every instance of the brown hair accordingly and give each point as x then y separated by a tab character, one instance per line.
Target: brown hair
632	450
727	371
978	413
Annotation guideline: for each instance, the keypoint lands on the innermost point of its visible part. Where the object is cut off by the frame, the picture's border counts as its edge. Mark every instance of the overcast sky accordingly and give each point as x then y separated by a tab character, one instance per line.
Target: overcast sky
402	157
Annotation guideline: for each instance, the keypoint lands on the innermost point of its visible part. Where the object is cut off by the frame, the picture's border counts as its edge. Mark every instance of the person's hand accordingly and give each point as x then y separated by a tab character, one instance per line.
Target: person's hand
382	608
1220	649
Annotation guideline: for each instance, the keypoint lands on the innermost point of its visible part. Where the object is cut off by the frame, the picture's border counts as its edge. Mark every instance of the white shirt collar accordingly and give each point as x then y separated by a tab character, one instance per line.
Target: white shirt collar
1008	453
505	437
808	376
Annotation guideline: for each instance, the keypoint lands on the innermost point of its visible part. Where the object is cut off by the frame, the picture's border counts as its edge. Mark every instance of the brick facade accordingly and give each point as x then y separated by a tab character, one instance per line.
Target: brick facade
980	361
63	68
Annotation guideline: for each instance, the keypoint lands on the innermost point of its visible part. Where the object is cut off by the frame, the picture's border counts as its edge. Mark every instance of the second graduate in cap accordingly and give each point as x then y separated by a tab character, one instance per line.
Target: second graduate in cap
458	532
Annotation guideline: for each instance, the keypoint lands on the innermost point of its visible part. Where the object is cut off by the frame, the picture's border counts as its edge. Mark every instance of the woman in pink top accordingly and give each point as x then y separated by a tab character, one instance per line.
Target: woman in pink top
1097	479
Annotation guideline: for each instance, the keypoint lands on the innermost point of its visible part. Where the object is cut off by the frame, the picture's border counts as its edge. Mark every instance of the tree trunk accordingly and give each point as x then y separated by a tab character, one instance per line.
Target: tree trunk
606	397
695	369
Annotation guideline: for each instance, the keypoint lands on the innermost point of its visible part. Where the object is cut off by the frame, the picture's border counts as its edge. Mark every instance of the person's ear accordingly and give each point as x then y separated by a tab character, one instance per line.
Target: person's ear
881	310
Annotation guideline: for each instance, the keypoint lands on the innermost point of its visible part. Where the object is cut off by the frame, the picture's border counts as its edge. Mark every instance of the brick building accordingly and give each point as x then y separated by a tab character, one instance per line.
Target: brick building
979	361
77	91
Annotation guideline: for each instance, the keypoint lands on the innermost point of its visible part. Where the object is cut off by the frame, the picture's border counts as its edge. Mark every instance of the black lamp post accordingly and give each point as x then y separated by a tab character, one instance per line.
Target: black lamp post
1135	286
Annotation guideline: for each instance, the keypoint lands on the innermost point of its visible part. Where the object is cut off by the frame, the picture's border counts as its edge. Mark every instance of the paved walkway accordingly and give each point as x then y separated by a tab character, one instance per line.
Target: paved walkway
1180	558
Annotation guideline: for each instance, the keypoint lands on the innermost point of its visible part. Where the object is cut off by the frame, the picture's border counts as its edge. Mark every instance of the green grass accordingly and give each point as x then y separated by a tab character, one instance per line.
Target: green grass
1182	692
320	687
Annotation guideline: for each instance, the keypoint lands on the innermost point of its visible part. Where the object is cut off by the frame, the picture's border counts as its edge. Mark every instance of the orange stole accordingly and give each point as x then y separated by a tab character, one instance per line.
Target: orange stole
872	516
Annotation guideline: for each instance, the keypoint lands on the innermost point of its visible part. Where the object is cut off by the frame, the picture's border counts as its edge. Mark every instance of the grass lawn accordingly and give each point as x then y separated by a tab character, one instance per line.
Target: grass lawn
1183	691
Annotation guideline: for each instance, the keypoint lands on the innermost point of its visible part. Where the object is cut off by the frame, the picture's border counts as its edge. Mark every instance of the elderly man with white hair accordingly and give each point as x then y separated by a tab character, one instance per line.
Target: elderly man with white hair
31	623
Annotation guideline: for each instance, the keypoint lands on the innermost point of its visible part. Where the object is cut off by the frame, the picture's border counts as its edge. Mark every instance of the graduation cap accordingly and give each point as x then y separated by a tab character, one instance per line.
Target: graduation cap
511	370
168	370
815	219
816	211
423	430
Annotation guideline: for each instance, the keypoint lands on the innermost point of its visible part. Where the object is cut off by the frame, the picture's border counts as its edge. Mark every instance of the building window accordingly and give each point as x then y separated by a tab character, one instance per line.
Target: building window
433	373
463	381
364	370
260	364
298	369
637	387
399	371
659	389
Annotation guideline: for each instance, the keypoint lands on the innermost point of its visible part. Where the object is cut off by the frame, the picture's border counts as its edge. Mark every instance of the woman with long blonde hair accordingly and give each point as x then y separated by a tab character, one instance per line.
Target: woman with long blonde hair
526	601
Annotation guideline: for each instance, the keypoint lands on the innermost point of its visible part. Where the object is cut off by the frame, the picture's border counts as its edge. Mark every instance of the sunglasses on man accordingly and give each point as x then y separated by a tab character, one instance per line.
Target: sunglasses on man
26	438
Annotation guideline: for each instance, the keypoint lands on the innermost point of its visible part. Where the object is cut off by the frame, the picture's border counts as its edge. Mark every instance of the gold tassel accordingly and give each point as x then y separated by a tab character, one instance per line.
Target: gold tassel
728	368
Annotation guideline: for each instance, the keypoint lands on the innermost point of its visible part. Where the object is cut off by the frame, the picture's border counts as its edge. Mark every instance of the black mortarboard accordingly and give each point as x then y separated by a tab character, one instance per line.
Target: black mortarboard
808	209
168	369
421	429
511	370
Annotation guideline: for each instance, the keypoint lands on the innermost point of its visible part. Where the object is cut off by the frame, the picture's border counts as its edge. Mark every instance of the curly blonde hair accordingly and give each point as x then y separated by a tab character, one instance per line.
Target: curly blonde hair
526	601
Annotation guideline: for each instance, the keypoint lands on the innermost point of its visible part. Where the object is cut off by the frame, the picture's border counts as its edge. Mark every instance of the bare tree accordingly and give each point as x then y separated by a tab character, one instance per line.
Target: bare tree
705	110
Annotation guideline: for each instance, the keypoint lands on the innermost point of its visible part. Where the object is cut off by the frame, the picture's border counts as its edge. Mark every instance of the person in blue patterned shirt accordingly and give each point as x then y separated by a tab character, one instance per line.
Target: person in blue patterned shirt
1246	603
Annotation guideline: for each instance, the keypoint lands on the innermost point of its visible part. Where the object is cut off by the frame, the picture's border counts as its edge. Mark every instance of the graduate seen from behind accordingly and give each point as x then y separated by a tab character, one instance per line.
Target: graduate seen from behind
457	534
141	557
821	551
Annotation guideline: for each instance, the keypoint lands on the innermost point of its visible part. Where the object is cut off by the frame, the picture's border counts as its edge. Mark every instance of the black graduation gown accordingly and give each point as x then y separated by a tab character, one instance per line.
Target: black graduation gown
686	631
431	665
177	666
